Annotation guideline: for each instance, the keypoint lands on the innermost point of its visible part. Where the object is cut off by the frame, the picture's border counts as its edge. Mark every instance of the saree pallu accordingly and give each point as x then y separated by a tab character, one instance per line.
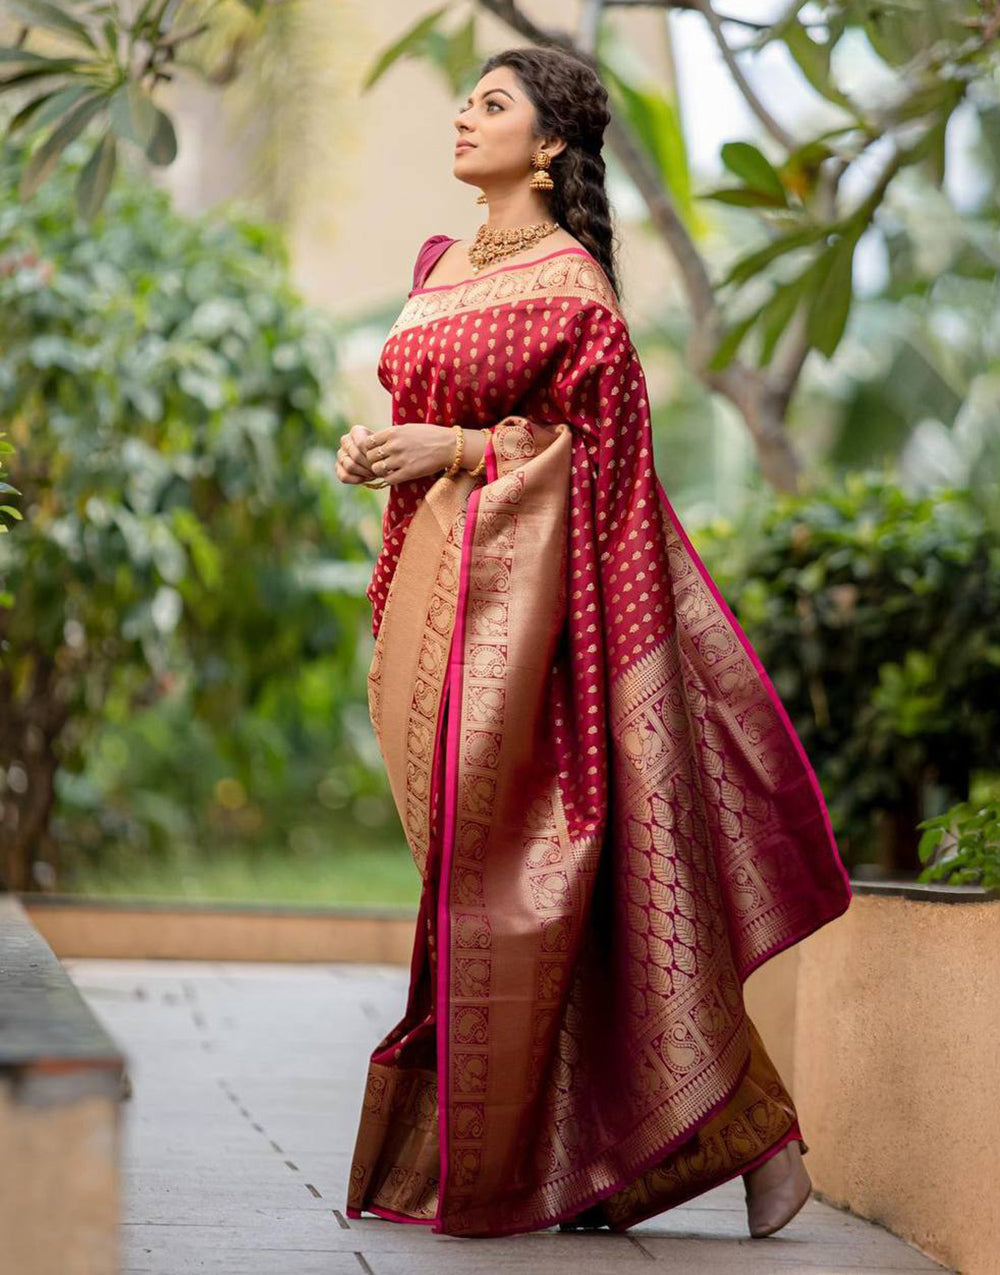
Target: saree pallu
611	813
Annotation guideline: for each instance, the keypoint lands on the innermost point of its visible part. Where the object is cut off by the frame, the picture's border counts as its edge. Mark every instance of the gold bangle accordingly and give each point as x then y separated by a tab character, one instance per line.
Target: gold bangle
481	463
456	464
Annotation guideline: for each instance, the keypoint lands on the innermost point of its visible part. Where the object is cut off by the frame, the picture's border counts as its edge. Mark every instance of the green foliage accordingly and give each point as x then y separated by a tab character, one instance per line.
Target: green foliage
762	185
115	62
299	869
7	514
91	84
422	39
932	54
877	615
813	56
962	846
654	117
189	611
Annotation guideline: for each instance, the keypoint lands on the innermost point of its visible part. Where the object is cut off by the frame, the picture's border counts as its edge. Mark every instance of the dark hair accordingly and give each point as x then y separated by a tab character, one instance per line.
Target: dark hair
570	102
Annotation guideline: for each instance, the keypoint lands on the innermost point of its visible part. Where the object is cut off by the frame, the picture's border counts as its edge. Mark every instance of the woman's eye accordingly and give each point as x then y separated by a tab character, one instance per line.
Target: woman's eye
491	102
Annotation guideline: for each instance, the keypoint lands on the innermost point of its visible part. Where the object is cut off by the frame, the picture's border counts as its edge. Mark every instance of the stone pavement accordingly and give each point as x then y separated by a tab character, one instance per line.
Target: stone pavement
238	1136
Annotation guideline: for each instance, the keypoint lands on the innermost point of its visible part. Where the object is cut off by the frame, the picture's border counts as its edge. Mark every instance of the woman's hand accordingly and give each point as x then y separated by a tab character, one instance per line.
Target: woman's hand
410	450
352	456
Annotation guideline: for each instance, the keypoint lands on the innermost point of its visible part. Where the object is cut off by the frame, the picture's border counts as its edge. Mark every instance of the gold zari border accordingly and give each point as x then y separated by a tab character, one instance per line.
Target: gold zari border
560	279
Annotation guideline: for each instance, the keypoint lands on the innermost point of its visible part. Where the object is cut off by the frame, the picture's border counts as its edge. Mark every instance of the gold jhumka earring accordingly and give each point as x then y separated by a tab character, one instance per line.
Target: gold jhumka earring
540	179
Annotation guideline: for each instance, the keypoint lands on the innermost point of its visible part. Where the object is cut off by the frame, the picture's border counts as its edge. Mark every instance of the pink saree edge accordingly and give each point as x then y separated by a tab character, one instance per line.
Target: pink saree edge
389	1215
769	686
491	458
455	674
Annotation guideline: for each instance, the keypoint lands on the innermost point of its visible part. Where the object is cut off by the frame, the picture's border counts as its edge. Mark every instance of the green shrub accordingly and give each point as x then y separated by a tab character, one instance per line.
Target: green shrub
877	615
962	846
188	637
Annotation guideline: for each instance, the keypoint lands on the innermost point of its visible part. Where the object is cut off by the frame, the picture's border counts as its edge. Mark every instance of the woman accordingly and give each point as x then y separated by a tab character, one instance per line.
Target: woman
613	818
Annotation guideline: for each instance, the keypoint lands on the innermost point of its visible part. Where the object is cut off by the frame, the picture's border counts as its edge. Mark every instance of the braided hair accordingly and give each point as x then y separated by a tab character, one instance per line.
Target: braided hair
571	103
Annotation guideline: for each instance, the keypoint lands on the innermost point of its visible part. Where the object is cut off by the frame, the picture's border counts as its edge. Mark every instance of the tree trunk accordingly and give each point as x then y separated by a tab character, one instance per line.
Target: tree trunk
31	721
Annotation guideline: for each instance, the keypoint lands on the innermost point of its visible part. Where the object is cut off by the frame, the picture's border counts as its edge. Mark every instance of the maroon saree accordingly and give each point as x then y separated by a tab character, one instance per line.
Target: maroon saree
612	815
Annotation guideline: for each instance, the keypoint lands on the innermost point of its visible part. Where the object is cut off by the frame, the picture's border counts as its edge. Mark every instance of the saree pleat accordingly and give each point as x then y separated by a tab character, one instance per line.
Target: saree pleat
613	818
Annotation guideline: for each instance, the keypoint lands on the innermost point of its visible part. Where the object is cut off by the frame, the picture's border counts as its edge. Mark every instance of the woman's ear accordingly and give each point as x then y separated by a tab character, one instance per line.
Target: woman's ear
551	144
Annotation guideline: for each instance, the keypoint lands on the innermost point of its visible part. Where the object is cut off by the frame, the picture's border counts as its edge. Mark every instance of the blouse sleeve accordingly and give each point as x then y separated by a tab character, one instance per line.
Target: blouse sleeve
428	253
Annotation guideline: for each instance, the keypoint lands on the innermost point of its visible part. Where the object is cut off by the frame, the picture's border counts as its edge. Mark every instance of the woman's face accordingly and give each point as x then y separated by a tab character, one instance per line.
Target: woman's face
499	123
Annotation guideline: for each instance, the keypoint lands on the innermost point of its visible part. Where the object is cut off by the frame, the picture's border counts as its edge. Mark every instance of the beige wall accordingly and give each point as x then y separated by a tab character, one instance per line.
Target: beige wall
770	995
80	927
894	1066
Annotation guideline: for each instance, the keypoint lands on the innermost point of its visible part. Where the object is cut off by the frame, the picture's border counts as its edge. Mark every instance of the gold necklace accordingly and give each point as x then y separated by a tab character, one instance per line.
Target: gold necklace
492	244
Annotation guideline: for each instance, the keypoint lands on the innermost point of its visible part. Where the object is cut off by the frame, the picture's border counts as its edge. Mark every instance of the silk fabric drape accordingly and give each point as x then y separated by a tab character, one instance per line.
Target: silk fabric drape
613	818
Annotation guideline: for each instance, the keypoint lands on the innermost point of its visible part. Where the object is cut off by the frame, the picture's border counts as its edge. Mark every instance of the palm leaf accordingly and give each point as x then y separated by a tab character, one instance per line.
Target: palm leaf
132	113
95	177
162	148
45	157
47	106
408	42
40	13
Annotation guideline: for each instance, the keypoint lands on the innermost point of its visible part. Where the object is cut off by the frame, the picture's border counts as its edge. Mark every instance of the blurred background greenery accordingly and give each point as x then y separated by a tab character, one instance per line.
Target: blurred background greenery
184	644
184	633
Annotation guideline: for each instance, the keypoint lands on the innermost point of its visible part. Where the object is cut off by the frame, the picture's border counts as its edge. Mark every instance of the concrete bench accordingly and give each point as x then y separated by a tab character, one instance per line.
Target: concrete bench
61	1079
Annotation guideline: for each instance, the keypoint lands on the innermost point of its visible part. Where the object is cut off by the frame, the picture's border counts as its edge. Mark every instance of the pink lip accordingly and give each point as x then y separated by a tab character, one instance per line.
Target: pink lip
461	146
